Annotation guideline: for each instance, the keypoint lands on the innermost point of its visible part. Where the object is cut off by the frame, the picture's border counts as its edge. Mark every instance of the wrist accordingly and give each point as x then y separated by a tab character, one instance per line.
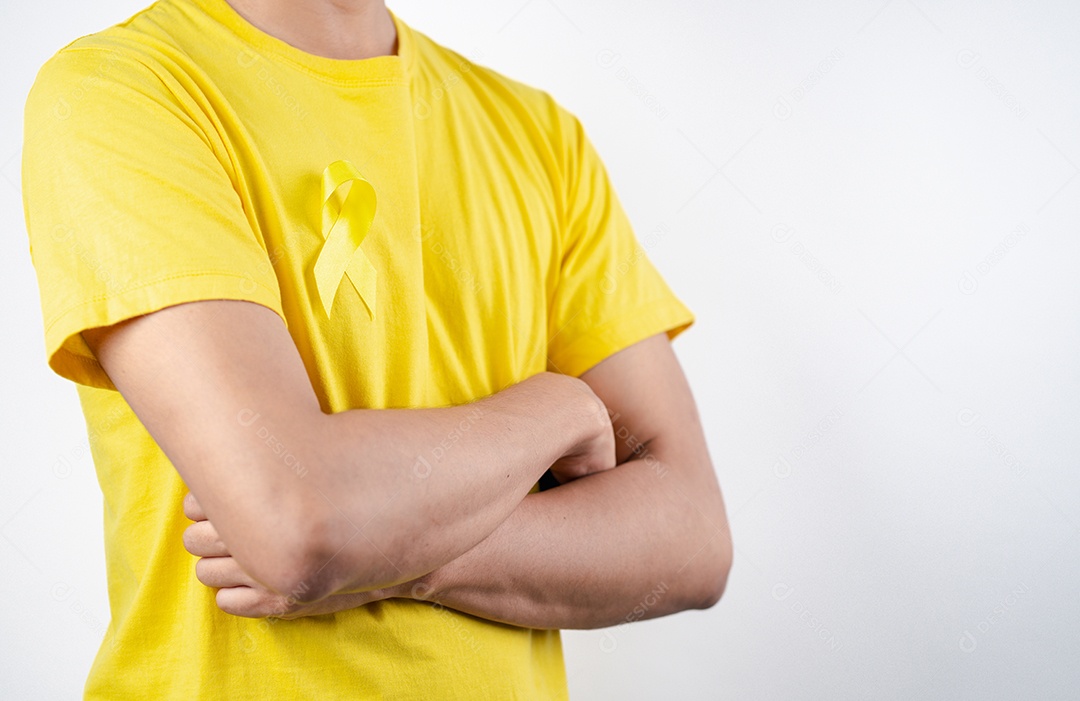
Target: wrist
572	408
584	413
535	410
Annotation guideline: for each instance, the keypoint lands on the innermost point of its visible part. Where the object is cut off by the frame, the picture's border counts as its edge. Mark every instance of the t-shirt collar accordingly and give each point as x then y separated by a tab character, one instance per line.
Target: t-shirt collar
374	69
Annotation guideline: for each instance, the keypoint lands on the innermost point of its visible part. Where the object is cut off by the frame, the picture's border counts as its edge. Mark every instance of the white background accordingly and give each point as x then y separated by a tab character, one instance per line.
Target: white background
873	209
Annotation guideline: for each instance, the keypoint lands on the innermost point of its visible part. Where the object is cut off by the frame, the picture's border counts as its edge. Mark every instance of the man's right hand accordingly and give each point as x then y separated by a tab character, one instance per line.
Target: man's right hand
595	451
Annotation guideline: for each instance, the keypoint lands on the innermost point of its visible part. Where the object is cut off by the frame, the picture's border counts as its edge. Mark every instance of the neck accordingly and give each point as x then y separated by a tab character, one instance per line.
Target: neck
342	29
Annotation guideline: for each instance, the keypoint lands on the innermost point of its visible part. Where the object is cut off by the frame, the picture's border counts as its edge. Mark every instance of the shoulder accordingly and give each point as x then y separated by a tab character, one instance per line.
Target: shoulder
88	89
138	53
75	70
442	70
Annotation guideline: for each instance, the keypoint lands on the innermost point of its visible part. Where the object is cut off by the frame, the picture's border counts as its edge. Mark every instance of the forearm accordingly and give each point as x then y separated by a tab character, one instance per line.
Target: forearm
407	491
645	539
622	545
310	504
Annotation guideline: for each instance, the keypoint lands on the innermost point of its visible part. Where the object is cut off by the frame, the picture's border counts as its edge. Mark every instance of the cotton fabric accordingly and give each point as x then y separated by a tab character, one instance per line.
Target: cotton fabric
178	157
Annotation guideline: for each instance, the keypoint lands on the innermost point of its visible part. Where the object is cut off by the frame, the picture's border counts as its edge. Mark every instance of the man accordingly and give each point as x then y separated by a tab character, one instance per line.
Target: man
357	295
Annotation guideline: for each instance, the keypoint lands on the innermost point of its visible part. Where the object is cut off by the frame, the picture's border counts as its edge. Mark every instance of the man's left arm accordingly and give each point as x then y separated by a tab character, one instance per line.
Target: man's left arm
646	539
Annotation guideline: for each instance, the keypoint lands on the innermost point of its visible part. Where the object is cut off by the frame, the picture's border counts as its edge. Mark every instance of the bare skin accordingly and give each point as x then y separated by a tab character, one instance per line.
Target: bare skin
342	29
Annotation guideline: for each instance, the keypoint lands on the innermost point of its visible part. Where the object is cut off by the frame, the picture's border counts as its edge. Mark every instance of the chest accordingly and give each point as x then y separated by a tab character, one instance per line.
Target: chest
463	244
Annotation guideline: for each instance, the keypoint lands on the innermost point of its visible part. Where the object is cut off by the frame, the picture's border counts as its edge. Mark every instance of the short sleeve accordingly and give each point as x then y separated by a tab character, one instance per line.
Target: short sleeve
129	208
609	295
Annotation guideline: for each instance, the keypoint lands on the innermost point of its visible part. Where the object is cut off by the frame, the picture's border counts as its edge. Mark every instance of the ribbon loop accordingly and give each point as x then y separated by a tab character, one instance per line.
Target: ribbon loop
347	212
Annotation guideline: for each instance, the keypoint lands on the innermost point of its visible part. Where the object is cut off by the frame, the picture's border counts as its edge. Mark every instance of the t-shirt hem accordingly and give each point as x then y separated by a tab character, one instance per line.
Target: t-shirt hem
69	355
587	350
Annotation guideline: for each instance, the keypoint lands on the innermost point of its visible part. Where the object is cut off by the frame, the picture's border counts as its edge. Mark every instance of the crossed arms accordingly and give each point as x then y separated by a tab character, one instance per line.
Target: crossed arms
639	506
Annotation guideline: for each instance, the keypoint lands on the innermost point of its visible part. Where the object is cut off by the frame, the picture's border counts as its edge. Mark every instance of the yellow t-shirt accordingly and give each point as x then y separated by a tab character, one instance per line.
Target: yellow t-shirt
179	156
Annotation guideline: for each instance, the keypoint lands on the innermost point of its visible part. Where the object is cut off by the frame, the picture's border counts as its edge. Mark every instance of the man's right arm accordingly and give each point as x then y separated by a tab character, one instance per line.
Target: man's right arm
312	504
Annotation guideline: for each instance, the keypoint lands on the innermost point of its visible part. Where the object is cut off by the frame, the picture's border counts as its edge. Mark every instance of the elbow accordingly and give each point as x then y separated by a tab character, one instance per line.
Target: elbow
713	591
715	573
319	554
295	543
293	560
297	576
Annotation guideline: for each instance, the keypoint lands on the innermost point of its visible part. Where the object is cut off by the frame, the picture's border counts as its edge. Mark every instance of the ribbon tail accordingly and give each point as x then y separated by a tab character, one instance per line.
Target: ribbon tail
329	270
363	276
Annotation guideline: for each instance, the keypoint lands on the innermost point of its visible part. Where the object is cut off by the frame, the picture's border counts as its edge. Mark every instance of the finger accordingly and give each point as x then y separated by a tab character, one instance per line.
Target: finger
331	604
223	572
259	603
201	539
250	602
192	509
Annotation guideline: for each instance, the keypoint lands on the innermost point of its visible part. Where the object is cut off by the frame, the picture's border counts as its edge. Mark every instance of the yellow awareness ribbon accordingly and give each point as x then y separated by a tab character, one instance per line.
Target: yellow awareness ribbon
347	213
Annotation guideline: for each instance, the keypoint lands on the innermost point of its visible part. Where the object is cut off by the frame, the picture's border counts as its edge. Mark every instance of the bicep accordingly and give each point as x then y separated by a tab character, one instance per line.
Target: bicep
652	406
208	379
654	411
